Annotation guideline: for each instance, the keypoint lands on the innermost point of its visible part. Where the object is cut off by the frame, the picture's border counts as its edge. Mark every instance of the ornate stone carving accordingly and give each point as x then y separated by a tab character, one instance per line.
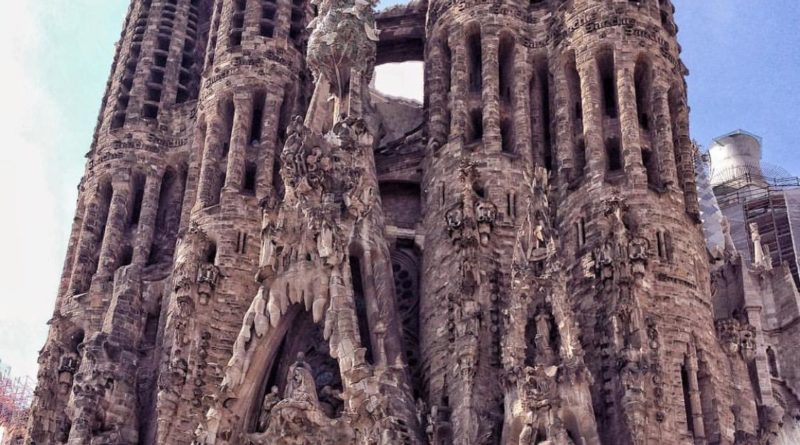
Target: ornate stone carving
761	257
298	418
747	342
737	337
728	333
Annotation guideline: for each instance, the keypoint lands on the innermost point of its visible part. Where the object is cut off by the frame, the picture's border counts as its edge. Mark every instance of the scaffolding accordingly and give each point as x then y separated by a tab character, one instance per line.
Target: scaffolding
15	399
763	200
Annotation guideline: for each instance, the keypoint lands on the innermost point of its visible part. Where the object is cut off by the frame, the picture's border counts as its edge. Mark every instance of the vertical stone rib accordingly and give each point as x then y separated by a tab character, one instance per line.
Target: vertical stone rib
147	220
116	224
664	147
87	244
172	72
224	29
490	95
191	191
762	375
437	96
242	117
564	142
283	19
629	123
686	160
459	79
270	131
522	104
72	248
694	399
211	148
213	37
536	114
252	17
592	119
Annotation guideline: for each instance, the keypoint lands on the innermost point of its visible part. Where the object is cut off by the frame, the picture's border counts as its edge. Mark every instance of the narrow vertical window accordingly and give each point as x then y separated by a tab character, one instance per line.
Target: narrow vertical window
687	402
651	167
257	120
475	129
676	108
608	83
506	68
211	253
250	174
772	362
212	41
297	23
546	114
644	108
136	203
361	306
507	135
267	25
579	159
580	230
613	155
165	234
576	117
447	66
474	61
237	23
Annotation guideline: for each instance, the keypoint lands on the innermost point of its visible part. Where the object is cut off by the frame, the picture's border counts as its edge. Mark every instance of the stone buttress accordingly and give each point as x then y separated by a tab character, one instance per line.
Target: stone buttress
252	83
98	368
318	358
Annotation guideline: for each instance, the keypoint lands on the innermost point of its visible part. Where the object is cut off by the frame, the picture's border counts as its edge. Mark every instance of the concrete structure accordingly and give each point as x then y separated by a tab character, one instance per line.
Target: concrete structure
747	195
519	260
755	268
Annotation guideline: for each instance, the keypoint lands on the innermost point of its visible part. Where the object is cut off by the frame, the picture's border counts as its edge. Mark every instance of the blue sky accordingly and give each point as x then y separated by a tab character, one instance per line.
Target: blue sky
743	56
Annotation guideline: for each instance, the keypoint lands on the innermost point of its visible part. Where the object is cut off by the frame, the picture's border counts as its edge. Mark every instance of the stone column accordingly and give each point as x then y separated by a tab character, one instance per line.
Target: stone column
685	156
216	17
116	227
459	85
72	248
224	30
522	105
252	17
536	117
210	157
88	243
664	148
240	135
762	376
355	98
490	94
592	118
147	219
694	399
564	141
438	96
283	19
270	145
191	191
629	123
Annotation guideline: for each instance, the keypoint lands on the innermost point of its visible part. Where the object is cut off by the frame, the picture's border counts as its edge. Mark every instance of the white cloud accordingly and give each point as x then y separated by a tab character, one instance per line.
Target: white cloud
32	246
401	80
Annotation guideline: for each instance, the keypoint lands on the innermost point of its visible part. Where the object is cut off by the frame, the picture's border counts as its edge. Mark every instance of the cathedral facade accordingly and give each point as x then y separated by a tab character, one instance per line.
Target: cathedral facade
268	251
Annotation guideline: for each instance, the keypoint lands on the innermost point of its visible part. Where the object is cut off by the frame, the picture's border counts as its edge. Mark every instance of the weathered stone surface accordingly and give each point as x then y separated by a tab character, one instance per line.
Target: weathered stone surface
267	252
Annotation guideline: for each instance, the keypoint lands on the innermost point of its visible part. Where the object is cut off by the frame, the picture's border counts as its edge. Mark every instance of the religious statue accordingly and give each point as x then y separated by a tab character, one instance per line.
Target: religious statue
270	400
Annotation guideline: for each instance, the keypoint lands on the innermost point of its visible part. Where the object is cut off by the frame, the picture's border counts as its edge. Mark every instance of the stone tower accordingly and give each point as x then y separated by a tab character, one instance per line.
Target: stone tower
267	251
